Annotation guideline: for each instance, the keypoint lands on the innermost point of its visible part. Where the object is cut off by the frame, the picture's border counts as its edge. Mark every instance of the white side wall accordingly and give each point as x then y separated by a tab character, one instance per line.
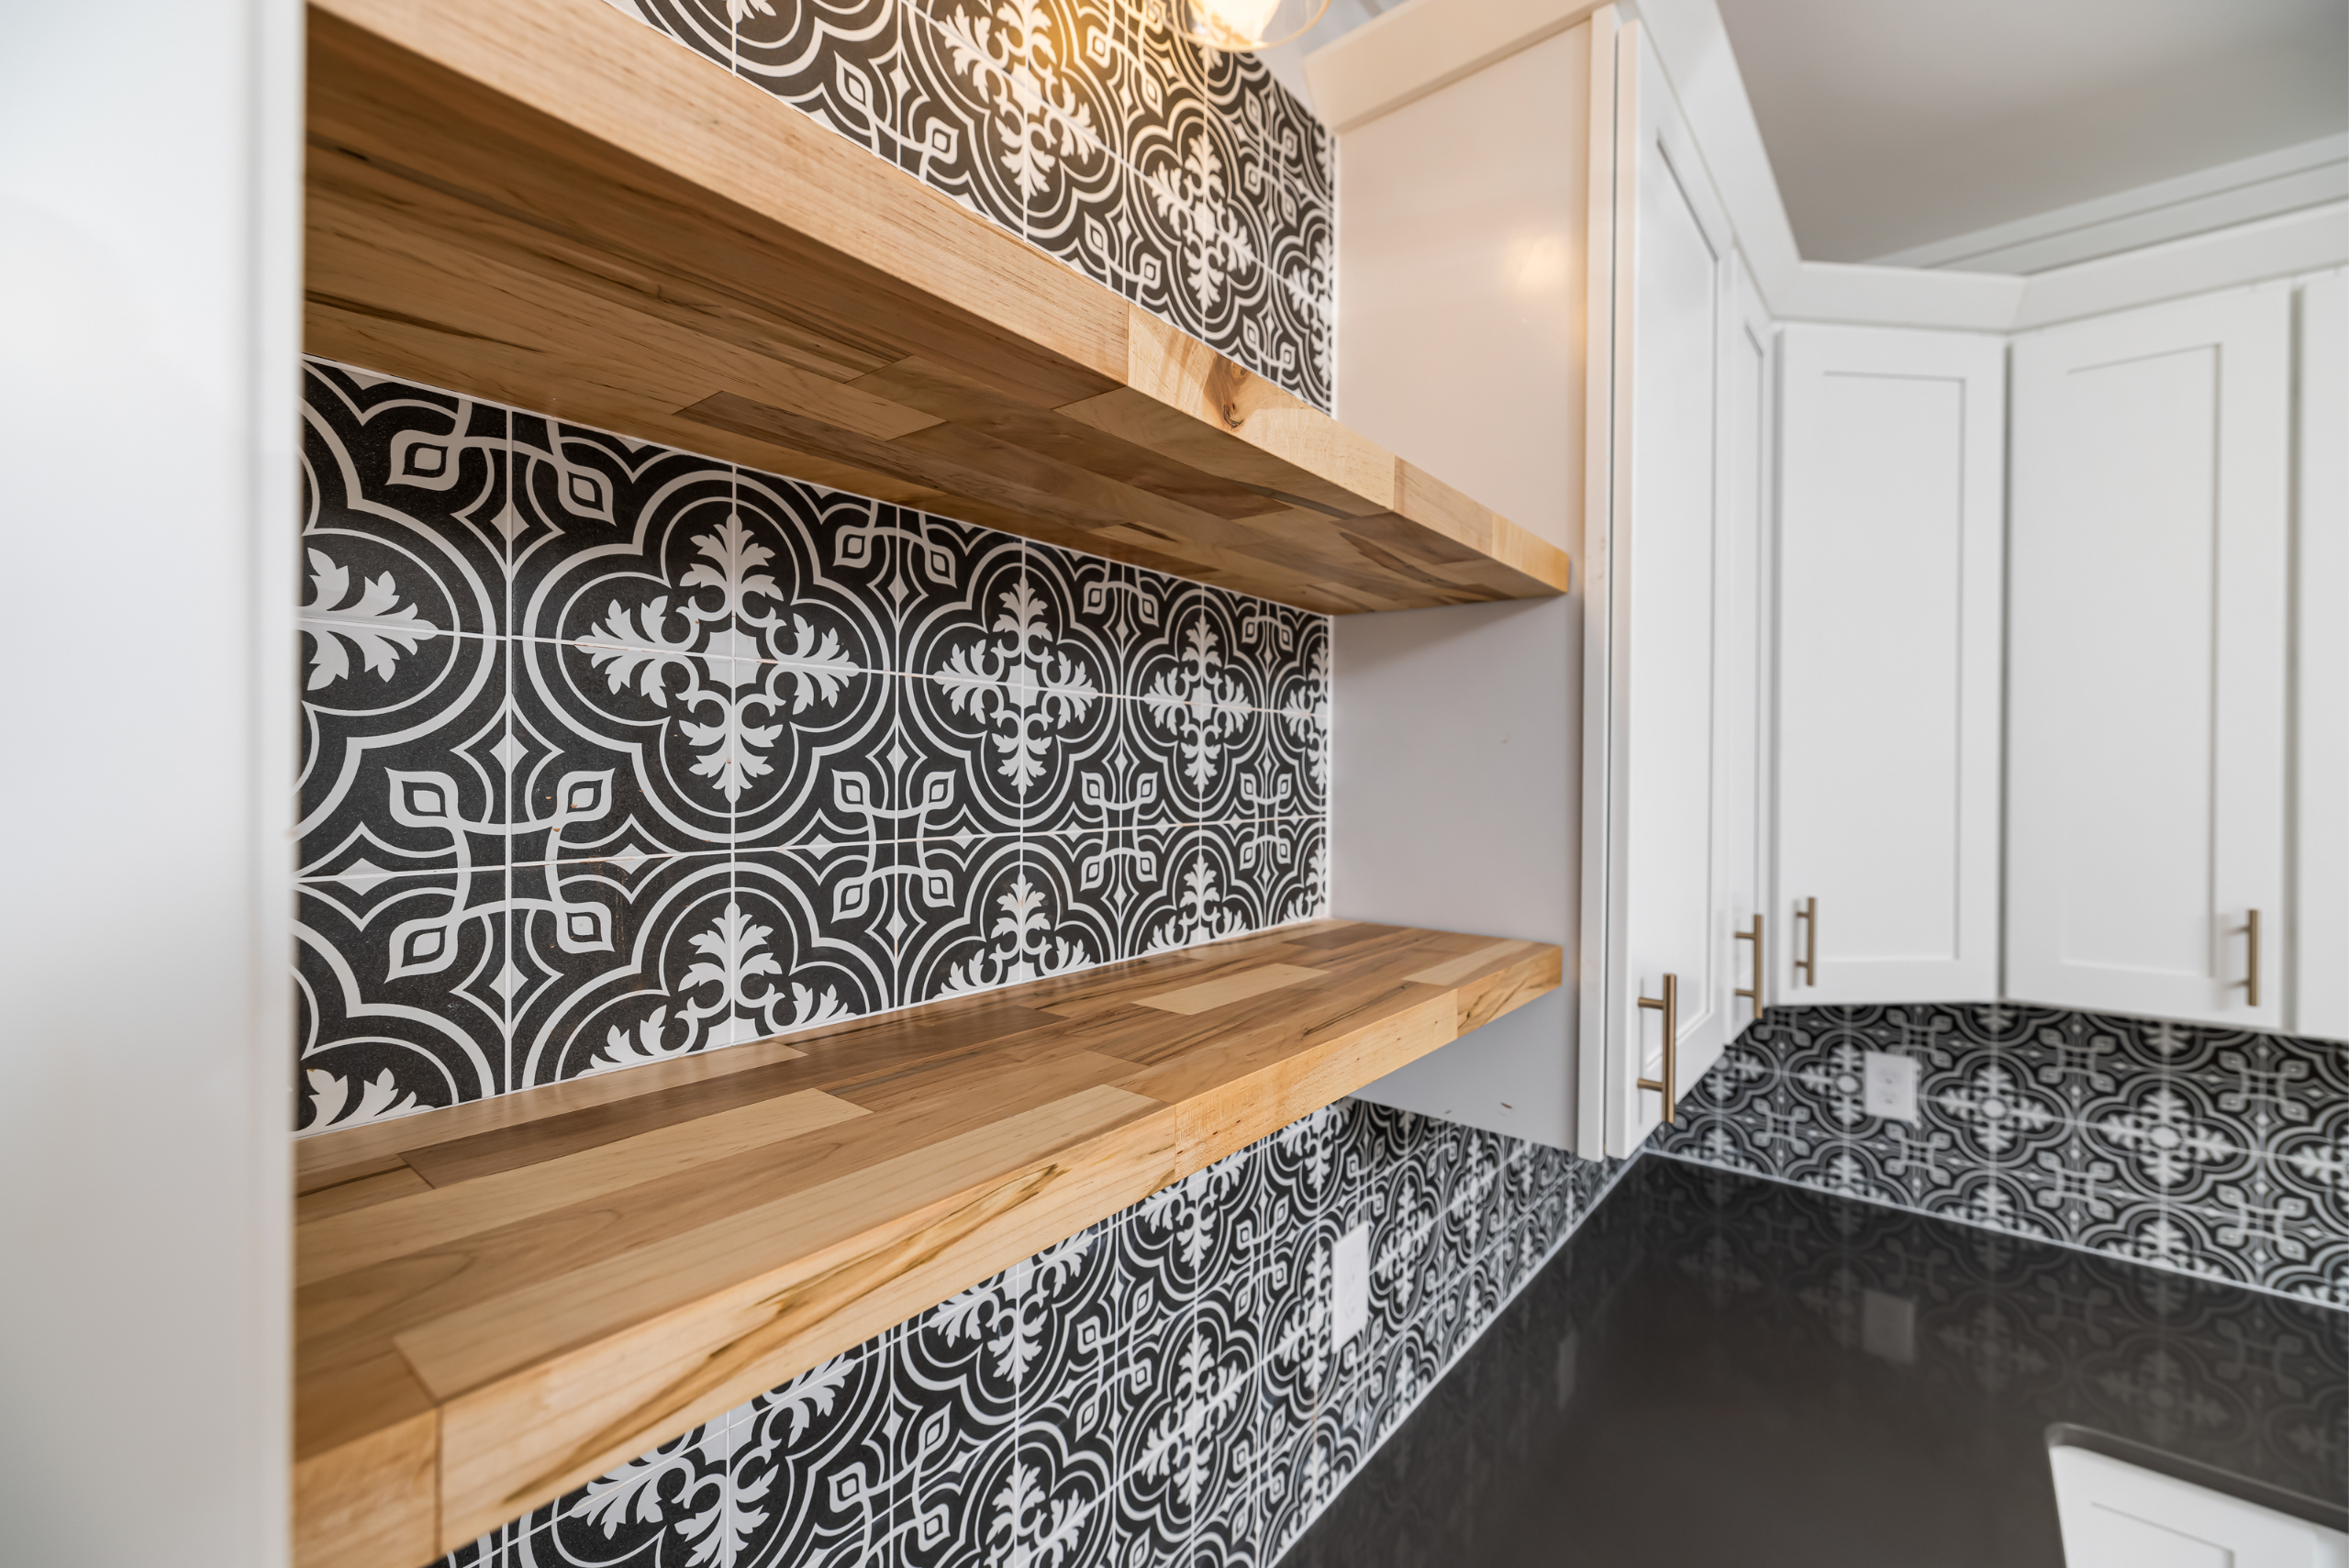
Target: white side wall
149	181
1454	802
1455	748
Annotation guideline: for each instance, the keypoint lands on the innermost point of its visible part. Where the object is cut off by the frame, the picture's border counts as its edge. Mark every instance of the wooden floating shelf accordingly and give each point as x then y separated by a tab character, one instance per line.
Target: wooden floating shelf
500	1301
543	203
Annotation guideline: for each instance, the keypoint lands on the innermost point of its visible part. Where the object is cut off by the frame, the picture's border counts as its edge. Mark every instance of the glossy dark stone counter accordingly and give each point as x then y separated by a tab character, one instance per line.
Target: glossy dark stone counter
1722	1370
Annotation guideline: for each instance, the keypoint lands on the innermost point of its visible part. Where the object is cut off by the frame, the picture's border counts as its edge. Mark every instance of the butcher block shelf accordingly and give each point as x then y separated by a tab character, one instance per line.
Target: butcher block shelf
545	203
501	1300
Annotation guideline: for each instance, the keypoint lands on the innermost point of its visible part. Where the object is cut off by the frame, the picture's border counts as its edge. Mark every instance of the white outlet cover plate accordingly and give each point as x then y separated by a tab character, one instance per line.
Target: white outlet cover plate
1890	1085
1350	1286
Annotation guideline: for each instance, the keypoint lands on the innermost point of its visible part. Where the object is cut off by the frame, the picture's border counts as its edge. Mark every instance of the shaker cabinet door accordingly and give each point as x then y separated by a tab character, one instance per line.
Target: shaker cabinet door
2321	748
1664	606
2148	645
1891	474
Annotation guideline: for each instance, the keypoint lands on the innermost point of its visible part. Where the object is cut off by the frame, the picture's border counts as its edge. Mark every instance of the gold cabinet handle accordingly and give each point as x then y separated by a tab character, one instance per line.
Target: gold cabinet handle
1669	1005
2250	981
1753	936
1807	913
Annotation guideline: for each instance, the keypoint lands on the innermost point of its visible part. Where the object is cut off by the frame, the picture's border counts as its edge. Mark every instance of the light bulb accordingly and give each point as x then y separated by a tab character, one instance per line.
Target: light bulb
1235	24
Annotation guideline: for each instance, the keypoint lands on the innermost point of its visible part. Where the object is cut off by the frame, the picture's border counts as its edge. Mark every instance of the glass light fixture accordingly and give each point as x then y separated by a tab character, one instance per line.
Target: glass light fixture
1241	26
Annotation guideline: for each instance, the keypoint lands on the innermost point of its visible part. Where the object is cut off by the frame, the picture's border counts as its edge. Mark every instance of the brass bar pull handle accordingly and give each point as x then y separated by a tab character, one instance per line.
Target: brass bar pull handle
1753	936
2250	981
1807	913
1669	1005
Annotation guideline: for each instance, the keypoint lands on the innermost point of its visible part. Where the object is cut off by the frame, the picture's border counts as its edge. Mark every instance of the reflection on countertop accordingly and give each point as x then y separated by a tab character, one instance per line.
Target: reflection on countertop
1722	1370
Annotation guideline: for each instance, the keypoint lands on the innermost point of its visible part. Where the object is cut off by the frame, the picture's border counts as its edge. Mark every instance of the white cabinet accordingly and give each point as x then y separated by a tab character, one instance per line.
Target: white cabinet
2149	626
2114	1514
1455	772
1668	641
1543	305
1889	535
2320	955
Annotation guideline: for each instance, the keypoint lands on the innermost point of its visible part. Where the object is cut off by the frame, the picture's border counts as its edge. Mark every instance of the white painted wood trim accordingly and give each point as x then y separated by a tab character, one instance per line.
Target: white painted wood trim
2232	258
1692	45
1421	46
150	189
2321	785
2118	1514
1594	582
2243	190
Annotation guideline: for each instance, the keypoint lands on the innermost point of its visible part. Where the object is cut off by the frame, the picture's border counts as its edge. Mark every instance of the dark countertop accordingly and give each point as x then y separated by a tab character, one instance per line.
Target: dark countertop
1721	1370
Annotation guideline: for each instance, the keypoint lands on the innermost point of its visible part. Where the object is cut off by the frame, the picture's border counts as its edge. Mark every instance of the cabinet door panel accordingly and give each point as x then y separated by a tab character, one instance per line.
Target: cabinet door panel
1887	665
1655	691
1669	566
2321	963
2148	647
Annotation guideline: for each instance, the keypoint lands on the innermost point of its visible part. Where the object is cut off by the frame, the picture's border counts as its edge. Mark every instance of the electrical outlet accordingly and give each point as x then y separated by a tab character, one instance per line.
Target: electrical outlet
1350	1286
1891	1085
1888	1325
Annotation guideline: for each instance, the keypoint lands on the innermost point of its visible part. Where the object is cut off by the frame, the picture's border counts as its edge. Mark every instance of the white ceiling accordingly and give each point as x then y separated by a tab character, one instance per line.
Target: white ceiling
1892	124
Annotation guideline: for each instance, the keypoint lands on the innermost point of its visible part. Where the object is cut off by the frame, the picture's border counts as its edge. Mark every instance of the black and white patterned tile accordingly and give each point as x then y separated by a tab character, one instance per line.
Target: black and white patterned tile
1186	179
2207	1150
1160	1388
613	753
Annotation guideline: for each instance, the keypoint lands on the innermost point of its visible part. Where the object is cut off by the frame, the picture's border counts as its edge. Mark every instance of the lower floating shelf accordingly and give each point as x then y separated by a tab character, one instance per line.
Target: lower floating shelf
500	1301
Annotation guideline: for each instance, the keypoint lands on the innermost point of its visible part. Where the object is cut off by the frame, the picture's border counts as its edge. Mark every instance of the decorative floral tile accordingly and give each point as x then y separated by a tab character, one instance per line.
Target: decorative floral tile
2073	1059
704	26
400	1001
963	125
2265	1091
1115	895
663	1510
2141	1139
839	61
627	960
1158	1389
926	758
957	1374
1187	179
408	481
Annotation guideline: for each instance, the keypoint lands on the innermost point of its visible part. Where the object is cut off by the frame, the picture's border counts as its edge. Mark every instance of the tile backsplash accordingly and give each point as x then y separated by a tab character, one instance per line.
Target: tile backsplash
2214	1151
1186	180
612	752
1162	1388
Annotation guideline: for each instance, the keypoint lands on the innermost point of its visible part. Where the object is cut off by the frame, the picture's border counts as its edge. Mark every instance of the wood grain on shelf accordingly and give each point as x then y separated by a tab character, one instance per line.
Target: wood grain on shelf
544	203
500	1301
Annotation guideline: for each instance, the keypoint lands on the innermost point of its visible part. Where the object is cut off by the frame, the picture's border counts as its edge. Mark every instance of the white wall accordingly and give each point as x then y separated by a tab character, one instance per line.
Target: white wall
1453	803
149	180
1455	750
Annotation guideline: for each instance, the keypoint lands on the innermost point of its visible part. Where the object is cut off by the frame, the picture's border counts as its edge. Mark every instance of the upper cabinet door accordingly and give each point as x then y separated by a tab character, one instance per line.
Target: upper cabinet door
2321	966
1888	705
2148	638
1662	568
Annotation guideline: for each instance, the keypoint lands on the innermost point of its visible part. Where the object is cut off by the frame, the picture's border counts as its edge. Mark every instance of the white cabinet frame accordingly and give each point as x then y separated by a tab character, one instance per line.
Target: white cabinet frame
1656	777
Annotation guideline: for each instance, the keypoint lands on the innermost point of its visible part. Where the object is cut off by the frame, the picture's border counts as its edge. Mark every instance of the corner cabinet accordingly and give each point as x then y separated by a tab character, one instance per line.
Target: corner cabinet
1671	542
1891	474
1540	238
2149	647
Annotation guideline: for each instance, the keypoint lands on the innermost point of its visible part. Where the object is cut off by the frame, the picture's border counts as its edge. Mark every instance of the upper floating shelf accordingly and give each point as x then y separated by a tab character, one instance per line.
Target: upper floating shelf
496	1302
543	203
